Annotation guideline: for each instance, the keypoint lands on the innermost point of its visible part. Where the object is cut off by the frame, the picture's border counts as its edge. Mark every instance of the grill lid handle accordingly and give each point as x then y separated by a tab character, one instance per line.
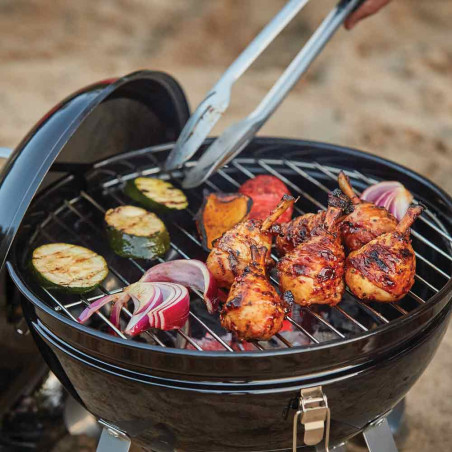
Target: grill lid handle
24	171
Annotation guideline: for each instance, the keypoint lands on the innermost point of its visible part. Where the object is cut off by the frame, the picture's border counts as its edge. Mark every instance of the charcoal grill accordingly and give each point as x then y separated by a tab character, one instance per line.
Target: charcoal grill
198	388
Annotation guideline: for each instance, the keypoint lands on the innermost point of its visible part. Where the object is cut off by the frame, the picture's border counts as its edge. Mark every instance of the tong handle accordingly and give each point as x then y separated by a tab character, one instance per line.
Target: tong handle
303	60
260	43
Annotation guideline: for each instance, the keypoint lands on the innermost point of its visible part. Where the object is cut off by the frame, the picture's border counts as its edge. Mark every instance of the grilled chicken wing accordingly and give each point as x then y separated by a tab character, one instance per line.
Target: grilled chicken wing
253	310
366	222
231	252
313	271
383	269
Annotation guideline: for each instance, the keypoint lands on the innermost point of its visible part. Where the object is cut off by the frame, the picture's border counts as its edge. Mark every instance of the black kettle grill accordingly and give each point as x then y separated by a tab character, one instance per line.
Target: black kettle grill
330	374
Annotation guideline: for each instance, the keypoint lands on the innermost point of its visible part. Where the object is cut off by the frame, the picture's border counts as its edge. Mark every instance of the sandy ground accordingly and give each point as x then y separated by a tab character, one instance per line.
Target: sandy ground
384	88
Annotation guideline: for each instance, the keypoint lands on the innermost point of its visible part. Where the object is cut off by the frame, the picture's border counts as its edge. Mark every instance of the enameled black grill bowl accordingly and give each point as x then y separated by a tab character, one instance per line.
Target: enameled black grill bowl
366	355
168	391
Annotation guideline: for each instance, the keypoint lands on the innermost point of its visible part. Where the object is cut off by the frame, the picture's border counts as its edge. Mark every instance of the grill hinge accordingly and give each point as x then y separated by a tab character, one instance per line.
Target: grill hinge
314	414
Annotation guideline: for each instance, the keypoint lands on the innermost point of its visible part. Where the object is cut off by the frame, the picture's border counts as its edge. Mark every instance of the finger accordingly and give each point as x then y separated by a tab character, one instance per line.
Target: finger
368	8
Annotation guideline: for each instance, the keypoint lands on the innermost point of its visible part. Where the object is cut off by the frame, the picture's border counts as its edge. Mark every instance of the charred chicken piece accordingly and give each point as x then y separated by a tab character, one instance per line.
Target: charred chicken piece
383	269
291	234
366	222
231	252
253	310
313	271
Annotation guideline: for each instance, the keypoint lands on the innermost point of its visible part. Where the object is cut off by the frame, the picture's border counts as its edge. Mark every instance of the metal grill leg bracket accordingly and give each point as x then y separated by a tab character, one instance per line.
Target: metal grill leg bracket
112	439
379	437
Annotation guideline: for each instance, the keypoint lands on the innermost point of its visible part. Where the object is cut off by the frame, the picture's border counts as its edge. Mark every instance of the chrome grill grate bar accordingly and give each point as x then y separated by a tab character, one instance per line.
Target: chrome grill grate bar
432	265
349	317
314	324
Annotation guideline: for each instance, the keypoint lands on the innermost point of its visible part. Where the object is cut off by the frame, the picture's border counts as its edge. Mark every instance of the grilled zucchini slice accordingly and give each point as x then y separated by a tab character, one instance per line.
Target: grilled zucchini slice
156	194
135	232
68	267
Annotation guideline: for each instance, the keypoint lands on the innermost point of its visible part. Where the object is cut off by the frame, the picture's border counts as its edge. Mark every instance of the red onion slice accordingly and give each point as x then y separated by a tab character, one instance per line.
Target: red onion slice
190	273
173	312
373	192
96	306
116	309
391	195
385	199
167	310
400	204
145	296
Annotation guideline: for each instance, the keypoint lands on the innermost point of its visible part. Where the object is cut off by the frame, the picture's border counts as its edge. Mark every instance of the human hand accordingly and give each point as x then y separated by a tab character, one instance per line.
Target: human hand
368	8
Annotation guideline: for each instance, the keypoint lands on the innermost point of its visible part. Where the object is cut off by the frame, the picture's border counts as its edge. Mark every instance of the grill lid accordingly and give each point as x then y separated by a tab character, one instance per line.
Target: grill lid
89	125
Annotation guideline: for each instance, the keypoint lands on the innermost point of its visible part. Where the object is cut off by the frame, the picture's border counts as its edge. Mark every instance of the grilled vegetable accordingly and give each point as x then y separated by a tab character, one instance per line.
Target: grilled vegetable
135	232
266	192
68	267
391	195
156	305
145	296
189	273
219	213
156	194
119	299
168	312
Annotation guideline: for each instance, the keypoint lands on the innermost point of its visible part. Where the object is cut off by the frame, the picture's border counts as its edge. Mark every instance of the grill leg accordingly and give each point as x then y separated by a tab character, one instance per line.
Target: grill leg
379	437
112	440
396	418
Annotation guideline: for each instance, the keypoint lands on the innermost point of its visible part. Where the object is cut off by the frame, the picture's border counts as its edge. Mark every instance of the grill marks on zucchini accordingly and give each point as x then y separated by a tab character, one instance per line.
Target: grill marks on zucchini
68	267
132	232
137	233
156	194
134	221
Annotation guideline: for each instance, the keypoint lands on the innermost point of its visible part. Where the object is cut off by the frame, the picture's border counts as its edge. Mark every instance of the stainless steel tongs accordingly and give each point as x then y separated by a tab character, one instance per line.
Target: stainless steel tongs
236	137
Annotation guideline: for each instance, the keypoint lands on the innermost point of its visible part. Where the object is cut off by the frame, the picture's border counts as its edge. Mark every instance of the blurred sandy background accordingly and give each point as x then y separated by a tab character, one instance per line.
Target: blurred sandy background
384	87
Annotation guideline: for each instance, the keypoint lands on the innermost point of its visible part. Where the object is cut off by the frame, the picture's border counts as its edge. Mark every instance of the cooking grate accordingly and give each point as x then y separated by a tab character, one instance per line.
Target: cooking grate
79	220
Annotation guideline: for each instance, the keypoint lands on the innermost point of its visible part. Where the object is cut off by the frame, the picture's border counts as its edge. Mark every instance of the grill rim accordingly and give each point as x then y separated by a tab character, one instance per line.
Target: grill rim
269	384
432	302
